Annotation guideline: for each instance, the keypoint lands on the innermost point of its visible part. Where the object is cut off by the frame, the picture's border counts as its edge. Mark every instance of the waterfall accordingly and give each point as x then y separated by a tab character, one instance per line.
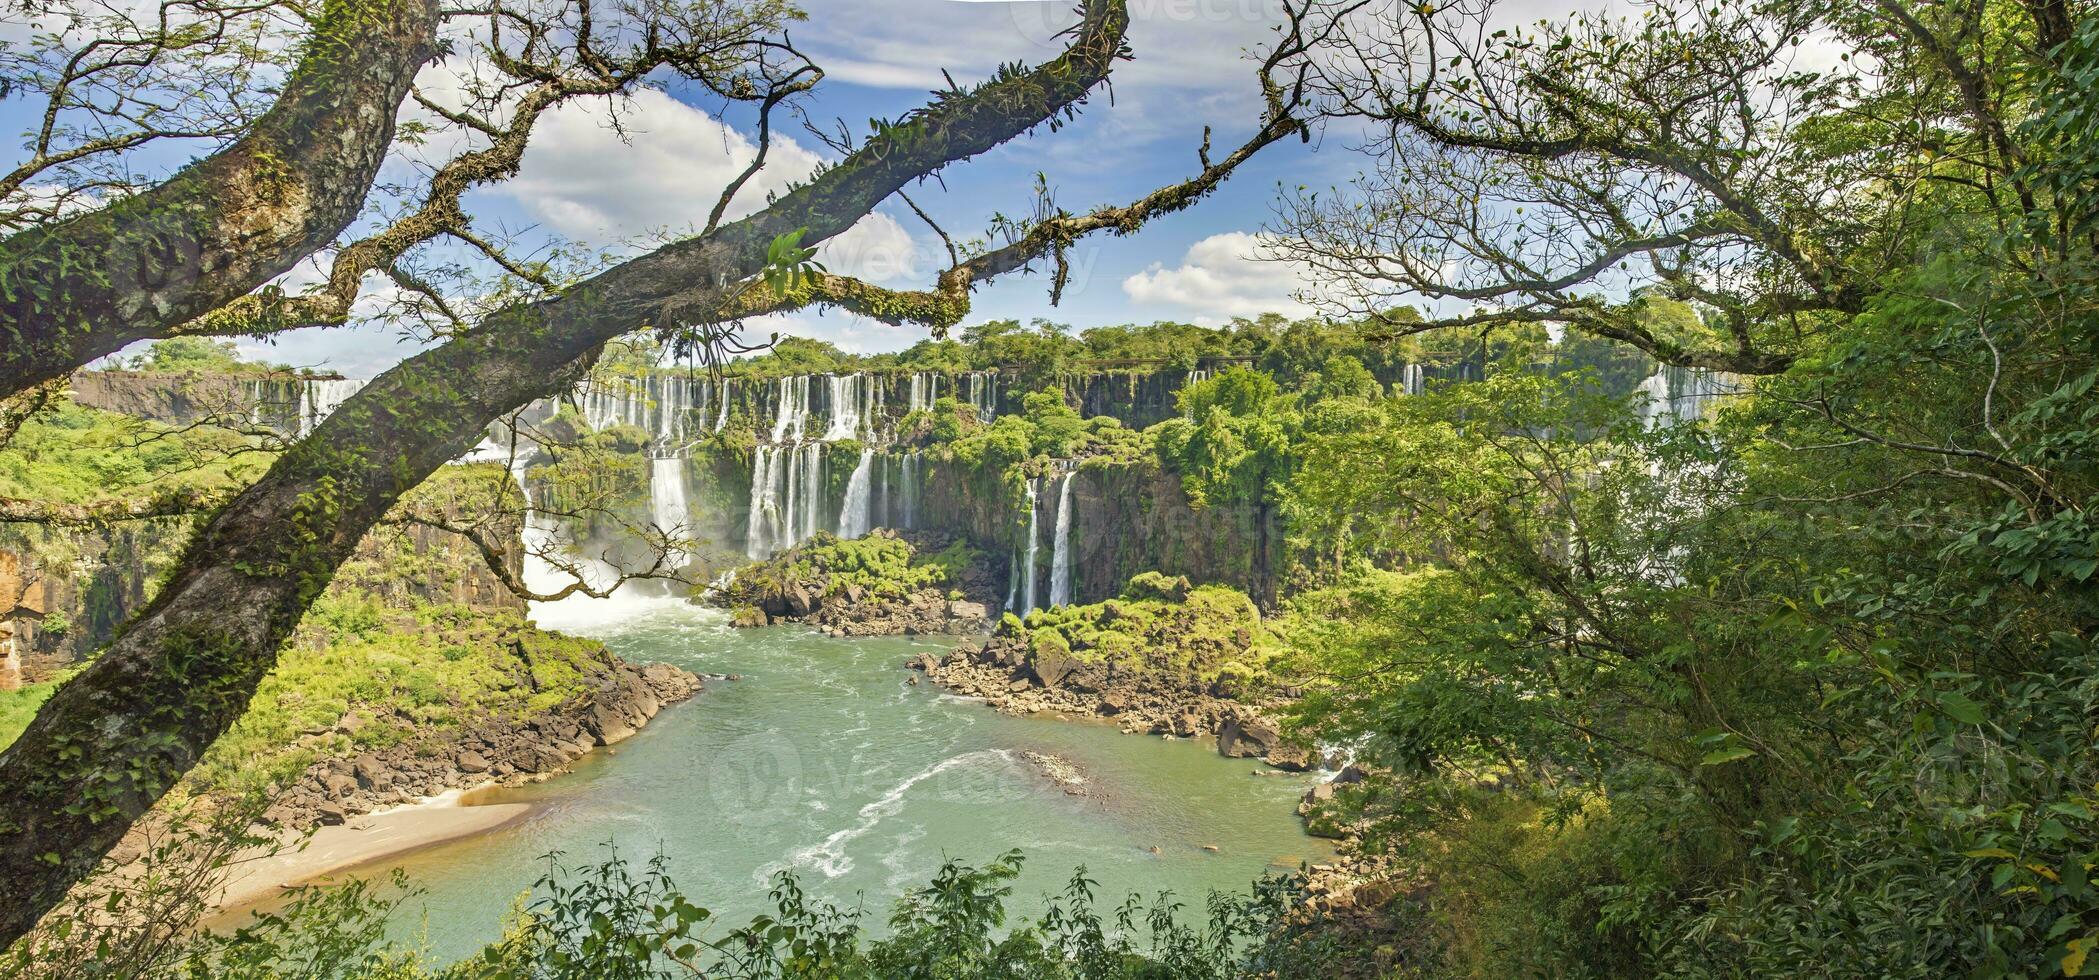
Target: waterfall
925	390
871	409
845	406
793	414
660	404
911	488
1033	544
320	397
812	490
855	517
722	418
1678	394
535	534
1060	547
1410	381
983	394
882	492
757	543
668	507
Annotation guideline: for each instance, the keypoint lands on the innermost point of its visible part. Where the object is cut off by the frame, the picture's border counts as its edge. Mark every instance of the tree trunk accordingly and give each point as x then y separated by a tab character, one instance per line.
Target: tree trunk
78	289
114	739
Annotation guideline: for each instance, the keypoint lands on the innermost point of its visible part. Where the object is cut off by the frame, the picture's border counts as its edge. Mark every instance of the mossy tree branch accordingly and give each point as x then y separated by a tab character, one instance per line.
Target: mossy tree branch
80	288
707	53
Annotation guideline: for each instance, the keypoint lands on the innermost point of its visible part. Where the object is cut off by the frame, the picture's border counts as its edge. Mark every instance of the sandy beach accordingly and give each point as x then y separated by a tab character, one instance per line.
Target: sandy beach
362	840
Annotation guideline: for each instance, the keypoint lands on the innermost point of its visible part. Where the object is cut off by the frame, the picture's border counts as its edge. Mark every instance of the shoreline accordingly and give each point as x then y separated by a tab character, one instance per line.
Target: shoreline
262	875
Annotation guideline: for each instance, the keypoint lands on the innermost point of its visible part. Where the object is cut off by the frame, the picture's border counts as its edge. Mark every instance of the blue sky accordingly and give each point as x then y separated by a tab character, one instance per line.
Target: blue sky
583	183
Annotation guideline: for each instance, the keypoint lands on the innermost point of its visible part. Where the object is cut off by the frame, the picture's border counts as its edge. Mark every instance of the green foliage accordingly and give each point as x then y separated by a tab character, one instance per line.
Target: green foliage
196	355
1160	626
879	565
1233	443
75	455
405	672
613	921
788	264
19	706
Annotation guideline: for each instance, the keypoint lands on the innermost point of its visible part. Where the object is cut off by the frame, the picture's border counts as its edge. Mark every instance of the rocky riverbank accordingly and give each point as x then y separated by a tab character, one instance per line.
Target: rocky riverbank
620	699
1019	681
889	583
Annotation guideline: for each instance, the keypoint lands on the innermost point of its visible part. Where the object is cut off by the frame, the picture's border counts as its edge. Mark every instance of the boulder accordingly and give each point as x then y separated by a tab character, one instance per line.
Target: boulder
606	724
973	611
472	762
1049	659
330	813
338	785
1246	736
1292	758
371	773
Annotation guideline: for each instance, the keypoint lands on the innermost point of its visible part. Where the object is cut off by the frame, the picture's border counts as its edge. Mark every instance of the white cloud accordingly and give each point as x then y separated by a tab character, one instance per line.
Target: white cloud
1221	277
586	182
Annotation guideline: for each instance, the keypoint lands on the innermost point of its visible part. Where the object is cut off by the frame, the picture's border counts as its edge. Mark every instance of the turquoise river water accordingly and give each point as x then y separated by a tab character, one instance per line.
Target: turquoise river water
824	759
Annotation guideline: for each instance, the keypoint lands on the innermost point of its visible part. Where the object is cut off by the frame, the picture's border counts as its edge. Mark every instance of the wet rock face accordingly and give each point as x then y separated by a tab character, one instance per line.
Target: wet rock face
503	750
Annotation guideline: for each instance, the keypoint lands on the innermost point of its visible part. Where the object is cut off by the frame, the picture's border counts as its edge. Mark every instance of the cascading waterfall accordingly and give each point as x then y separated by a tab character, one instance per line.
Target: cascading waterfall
757	542
1680	394
983	394
911	490
535	535
812	468
661	404
793	415
1410	380
1033	546
1671	396
1060	547
320	397
872	409
855	519
924	391
722	418
845	404
668	506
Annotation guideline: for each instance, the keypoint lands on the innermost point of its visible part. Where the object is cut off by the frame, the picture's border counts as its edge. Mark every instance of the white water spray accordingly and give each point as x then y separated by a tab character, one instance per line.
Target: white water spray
1033	547
668	506
855	518
1060	548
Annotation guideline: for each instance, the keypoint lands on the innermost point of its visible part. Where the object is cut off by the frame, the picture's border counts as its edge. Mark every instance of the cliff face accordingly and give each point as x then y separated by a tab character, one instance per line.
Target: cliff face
1139	400
66	591
181	399
1125	518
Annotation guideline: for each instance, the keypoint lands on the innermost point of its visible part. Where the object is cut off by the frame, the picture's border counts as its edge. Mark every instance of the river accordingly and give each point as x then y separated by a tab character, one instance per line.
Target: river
824	759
